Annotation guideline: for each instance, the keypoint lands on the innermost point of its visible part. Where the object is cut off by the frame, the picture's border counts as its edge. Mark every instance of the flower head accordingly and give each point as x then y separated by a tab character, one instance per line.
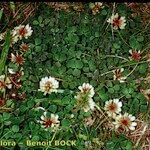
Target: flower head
125	122
11	71
22	31
24	47
48	85
2	82
51	122
118	75
117	21
113	107
89	106
2	35
88	89
96	7
17	59
5	82
89	121
135	55
84	97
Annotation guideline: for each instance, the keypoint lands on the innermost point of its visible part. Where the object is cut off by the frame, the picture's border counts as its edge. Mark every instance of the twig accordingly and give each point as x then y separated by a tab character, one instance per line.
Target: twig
111	24
115	56
132	70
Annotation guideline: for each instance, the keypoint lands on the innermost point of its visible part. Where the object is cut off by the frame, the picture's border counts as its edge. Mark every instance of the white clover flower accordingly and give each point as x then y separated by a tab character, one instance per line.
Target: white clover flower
17	59
89	106
118	75
51	122
72	116
125	122
8	83
14	39
2	82
84	97
89	121
95	7
117	22
113	107
24	47
11	71
48	85
135	55
5	82
2	35
86	88
22	31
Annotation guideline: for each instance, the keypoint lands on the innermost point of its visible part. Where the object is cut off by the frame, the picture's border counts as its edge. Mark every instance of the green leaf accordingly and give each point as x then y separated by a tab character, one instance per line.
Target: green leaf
142	68
40	19
143	108
140	38
6	116
12	6
1	13
74	63
53	108
76	72
116	87
35	22
116	45
65	123
111	90
5	52
30	103
134	43
38	41
15	128
103	95
35	138
7	123
104	12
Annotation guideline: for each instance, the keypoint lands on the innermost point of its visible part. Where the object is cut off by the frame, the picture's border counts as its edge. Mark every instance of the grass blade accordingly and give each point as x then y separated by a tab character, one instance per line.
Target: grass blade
4	52
1	13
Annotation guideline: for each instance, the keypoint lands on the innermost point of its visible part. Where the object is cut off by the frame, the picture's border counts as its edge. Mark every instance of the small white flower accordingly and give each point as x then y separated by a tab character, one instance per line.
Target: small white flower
125	122
89	106
135	55
11	71
13	57
89	121
48	85
84	97
2	35
5	82
14	39
2	82
98	4
118	75
24	47
113	107
117	22
8	83
51	122
17	59
95	7
72	116
86	88
21	31
38	108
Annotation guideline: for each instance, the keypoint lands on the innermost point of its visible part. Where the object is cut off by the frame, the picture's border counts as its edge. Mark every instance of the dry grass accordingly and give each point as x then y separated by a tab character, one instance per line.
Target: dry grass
142	10
18	12
141	136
